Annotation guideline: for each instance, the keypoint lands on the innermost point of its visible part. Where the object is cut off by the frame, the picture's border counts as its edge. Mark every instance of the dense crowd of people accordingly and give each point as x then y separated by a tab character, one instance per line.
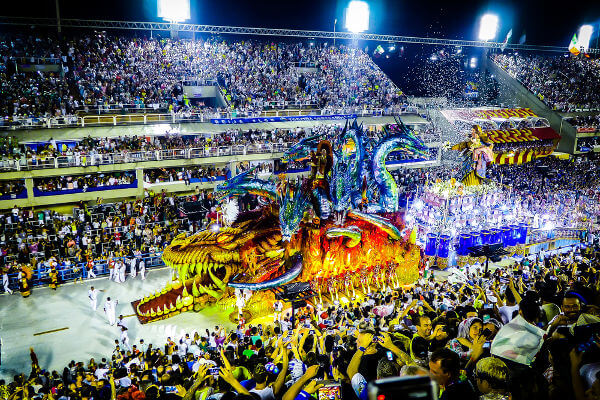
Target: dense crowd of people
84	182
122	149
38	241
12	187
185	174
586	123
98	70
526	331
587	144
563	83
550	174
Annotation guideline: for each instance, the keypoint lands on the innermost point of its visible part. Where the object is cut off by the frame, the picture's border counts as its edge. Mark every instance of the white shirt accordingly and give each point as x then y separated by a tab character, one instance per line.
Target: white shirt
101	373
93	294
265	394
285	325
110	306
121	323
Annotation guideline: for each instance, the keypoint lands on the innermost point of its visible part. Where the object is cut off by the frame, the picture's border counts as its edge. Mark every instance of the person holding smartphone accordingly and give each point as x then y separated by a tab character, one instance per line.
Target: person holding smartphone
385	368
470	342
260	374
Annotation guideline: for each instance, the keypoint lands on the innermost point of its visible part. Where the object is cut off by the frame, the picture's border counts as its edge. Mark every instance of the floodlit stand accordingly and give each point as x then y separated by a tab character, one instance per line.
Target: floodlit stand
296	293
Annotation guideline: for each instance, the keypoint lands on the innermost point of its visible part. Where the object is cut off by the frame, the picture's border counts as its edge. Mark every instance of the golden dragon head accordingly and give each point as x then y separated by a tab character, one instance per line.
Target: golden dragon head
204	264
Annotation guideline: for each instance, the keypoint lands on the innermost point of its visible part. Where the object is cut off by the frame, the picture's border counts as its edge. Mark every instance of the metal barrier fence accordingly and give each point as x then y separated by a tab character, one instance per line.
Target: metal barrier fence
40	274
86	160
144	116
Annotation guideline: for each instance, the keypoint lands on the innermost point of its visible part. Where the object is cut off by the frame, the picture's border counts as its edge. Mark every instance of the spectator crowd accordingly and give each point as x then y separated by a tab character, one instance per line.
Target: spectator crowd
99	70
122	149
525	331
38	241
565	84
84	182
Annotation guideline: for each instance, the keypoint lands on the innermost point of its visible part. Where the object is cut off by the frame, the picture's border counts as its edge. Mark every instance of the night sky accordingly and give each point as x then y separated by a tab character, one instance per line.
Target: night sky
543	22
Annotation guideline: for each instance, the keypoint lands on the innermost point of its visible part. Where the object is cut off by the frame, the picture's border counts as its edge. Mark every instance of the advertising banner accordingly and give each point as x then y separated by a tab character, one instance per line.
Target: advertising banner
257	120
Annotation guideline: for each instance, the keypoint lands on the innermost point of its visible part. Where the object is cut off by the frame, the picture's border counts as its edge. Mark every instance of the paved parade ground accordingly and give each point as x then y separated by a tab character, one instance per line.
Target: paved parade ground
61	326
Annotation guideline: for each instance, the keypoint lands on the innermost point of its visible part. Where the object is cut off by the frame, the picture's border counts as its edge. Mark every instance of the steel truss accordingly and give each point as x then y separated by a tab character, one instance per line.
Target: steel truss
238	30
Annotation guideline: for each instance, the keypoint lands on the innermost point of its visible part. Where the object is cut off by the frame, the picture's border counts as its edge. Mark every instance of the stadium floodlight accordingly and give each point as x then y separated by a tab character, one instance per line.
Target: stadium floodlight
174	10
488	27
357	16
583	39
473	63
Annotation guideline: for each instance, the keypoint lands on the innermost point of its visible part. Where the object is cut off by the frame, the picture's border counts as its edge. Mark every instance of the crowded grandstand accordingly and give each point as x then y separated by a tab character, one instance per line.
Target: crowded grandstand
219	217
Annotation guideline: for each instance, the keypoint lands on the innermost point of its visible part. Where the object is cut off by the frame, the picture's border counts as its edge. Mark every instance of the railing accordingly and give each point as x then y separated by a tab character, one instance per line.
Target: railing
199	82
307	64
36	60
86	160
141	116
123	108
40	274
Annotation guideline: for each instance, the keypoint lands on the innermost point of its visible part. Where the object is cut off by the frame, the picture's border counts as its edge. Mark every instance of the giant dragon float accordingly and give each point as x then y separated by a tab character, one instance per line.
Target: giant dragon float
339	229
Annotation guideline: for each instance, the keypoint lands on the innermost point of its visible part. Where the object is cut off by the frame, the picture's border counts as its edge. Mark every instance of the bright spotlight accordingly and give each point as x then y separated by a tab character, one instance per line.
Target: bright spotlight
174	10
473	63
214	227
488	27
357	16
585	34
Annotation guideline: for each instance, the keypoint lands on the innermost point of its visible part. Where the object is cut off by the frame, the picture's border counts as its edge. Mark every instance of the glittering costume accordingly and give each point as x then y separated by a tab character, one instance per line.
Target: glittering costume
477	155
53	274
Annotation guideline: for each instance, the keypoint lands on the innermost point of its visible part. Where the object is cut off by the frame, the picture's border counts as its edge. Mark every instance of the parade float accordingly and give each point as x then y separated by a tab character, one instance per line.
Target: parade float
340	230
455	216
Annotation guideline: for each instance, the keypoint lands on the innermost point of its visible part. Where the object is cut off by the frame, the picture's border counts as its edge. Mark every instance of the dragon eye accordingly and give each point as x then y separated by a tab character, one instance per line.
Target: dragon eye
224	238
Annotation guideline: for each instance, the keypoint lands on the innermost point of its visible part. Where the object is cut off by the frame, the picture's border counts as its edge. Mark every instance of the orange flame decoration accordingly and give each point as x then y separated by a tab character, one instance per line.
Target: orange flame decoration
376	261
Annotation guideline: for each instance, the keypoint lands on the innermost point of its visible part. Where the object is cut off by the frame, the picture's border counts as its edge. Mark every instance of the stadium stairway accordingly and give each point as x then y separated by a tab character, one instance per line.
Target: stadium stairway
513	93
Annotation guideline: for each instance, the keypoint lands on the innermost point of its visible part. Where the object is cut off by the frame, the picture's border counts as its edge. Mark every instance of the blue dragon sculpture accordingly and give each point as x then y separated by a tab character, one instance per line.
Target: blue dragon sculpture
246	182
358	176
396	138
292	205
301	150
349	170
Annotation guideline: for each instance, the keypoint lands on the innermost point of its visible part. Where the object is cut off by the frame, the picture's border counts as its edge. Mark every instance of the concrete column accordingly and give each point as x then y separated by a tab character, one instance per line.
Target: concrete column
139	175
29	187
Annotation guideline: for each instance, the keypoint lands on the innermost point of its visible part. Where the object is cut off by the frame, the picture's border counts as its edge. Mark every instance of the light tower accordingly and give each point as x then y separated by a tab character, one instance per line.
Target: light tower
174	11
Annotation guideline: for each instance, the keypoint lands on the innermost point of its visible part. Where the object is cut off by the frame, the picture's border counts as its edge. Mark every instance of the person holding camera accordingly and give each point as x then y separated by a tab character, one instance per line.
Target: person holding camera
470	341
367	345
264	390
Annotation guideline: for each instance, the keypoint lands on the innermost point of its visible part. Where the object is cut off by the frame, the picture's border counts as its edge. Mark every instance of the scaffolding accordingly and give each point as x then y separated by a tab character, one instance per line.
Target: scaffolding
239	30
